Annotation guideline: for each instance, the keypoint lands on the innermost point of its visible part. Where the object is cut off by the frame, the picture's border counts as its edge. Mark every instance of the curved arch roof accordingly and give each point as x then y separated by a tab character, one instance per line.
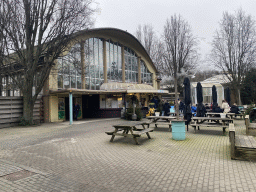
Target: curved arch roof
123	37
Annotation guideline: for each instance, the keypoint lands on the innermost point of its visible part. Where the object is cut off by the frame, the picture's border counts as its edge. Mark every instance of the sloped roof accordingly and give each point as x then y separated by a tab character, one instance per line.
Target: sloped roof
222	79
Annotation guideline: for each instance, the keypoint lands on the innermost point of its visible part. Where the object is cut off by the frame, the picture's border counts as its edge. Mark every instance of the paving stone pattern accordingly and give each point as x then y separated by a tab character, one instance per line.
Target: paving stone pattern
81	158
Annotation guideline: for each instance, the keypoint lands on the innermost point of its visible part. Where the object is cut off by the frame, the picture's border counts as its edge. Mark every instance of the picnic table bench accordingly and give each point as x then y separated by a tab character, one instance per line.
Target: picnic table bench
198	122
161	120
241	145
250	127
212	114
131	127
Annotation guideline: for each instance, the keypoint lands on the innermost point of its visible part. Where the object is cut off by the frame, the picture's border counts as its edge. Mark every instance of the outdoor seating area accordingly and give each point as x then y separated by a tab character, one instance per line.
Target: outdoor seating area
241	146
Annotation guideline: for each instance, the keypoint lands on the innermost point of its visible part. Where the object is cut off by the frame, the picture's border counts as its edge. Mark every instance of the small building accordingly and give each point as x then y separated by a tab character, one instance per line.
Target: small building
102	69
220	81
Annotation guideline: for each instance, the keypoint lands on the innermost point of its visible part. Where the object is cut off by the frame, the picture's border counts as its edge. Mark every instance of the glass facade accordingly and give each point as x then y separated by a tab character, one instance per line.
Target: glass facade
146	76
69	70
131	66
114	61
69	67
94	63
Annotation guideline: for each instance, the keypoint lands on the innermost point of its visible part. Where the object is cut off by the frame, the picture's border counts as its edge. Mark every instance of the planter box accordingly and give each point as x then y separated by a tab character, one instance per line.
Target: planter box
178	130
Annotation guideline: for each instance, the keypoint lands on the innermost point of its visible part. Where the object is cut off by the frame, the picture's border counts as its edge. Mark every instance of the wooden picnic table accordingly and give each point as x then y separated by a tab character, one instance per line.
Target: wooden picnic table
211	114
156	118
132	129
211	122
164	120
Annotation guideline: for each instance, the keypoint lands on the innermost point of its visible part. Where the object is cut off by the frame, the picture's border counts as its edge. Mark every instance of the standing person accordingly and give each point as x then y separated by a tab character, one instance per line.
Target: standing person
166	108
76	110
161	106
181	107
225	106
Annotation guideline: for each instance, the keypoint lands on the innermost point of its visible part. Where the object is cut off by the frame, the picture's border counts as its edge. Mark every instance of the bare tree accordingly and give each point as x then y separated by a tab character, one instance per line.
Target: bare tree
146	36
179	49
35	33
234	48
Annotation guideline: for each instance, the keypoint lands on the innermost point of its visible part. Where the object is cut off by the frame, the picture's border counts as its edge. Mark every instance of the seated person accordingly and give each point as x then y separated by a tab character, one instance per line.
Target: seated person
218	110
234	109
193	109
151	110
166	108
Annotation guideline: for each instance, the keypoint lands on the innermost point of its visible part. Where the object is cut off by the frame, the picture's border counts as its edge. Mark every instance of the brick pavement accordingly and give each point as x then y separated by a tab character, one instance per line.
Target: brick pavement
81	158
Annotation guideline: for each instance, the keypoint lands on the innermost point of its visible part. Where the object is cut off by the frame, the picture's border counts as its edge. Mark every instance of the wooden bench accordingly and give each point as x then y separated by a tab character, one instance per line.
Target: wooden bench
241	116
242	146
169	124
139	133
207	124
250	127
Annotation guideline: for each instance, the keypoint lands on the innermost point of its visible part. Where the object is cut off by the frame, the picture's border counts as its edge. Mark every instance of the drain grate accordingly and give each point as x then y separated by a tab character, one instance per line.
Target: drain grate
18	175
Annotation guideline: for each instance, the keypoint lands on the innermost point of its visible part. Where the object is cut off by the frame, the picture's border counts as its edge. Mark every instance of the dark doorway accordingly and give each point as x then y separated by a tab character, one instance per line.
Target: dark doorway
90	106
67	108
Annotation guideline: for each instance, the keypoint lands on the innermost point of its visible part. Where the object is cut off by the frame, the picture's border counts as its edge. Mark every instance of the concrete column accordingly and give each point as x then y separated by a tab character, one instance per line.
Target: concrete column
105	74
123	65
70	108
82	64
139	70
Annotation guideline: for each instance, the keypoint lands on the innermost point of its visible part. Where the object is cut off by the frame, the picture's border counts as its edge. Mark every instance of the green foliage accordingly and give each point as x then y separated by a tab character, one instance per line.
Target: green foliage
249	109
129	112
248	91
24	122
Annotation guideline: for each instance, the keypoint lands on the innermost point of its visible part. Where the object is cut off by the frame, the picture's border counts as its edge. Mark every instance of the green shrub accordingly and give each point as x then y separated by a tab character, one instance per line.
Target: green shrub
129	112
23	122
249	109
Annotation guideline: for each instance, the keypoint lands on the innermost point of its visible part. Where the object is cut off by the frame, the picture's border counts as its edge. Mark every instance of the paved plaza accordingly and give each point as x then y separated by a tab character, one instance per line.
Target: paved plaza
60	157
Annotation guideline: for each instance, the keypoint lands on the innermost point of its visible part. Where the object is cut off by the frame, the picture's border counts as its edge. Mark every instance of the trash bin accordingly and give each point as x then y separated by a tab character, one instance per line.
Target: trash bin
178	130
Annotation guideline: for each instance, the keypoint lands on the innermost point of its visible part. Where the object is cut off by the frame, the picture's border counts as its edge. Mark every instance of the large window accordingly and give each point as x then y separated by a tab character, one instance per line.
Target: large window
70	66
114	61
94	63
69	69
146	76
131	66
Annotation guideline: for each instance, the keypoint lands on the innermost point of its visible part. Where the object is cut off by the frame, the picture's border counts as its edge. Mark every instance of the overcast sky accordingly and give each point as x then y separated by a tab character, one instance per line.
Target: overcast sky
202	15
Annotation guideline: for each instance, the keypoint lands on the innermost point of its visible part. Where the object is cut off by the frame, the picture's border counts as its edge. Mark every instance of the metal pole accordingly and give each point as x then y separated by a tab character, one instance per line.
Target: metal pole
70	108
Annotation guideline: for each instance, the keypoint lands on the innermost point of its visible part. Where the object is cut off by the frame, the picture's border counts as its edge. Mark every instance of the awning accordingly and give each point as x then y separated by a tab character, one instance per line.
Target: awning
131	88
114	88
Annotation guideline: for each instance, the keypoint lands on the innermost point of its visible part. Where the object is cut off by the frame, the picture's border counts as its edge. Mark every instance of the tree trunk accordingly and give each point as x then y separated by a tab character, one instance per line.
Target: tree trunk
28	106
176	97
239	97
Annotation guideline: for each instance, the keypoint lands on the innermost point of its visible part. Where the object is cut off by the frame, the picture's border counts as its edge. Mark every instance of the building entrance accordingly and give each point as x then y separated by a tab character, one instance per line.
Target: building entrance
90	106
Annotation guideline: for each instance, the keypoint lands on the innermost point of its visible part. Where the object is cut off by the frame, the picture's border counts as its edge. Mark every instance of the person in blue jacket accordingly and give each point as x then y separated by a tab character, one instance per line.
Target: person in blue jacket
193	110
